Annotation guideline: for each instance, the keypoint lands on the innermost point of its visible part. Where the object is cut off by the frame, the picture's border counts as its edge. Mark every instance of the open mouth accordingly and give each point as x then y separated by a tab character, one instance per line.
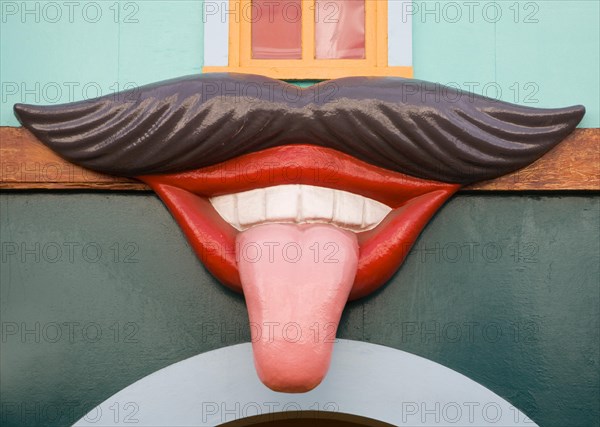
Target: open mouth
202	202
300	230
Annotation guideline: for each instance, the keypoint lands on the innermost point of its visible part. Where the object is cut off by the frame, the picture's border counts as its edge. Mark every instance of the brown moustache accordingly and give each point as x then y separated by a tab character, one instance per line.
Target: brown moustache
413	127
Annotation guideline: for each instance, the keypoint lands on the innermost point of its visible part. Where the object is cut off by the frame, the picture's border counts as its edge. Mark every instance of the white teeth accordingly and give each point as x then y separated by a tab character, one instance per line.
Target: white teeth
373	213
282	202
250	207
317	203
300	203
227	208
347	208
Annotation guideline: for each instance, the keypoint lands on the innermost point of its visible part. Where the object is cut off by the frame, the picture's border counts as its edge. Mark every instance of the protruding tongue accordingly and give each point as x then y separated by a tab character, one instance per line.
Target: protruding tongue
296	280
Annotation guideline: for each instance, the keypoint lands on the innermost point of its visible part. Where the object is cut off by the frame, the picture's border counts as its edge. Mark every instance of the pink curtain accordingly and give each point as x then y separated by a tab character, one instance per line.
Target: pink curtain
276	28
340	29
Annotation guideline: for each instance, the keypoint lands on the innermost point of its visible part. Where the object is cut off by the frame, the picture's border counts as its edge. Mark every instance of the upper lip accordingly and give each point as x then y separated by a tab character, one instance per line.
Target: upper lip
300	164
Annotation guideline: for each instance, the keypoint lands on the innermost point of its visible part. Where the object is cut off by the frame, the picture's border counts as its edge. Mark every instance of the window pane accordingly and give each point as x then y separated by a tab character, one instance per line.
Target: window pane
340	29
276	29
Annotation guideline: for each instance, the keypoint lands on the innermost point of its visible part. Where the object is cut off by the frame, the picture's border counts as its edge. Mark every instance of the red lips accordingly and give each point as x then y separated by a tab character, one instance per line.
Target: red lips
382	249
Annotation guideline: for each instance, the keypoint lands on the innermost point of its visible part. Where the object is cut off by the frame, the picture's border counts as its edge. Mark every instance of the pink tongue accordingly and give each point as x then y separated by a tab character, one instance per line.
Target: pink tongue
296	281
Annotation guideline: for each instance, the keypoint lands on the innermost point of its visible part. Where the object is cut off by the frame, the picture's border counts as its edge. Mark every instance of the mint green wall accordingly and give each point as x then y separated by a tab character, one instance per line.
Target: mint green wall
543	53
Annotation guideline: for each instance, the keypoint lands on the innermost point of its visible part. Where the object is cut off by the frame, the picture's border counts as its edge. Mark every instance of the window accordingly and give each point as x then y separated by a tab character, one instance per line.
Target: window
304	39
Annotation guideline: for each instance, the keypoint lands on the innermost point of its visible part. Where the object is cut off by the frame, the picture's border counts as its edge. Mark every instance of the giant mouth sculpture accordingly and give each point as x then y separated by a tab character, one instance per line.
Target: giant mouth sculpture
300	198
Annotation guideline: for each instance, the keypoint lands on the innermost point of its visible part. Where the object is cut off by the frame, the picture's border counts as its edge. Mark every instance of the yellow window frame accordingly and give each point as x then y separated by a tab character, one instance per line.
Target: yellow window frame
375	62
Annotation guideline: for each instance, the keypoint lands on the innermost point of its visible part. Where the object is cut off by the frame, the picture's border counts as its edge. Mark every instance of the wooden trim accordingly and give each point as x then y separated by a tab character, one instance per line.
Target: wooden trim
371	31
27	164
381	28
326	73
573	165
234	33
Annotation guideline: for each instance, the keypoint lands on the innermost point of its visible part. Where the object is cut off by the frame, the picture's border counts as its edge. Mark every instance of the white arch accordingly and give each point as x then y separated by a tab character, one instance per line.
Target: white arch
365	379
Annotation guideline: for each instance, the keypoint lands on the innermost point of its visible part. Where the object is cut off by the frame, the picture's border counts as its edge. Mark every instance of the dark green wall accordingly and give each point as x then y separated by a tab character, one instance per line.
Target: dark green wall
503	288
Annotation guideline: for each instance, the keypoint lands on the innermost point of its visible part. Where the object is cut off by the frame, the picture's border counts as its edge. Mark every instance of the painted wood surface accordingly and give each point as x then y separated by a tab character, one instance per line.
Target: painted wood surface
27	164
503	289
510	49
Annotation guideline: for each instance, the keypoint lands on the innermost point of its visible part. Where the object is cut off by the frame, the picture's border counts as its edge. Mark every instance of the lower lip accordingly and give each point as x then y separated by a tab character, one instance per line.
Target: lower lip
382	250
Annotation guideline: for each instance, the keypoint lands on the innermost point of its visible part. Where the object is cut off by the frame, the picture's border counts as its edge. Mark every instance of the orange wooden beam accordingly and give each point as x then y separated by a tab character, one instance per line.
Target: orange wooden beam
27	164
